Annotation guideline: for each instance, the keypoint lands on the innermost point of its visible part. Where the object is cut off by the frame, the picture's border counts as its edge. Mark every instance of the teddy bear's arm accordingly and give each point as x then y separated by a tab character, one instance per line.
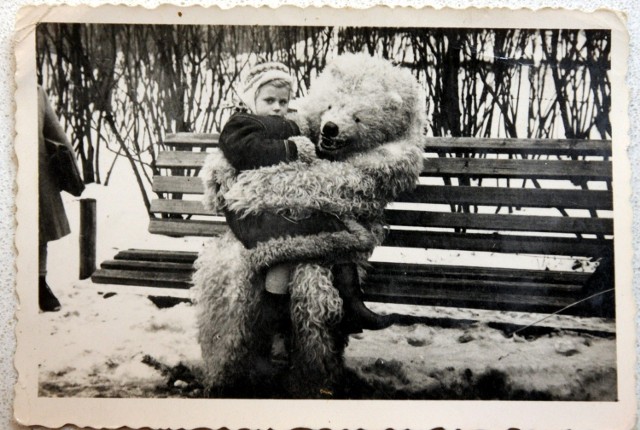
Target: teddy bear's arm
338	188
394	167
360	186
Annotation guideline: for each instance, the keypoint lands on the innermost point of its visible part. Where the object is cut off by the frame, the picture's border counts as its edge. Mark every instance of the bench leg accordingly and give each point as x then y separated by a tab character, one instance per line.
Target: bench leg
603	305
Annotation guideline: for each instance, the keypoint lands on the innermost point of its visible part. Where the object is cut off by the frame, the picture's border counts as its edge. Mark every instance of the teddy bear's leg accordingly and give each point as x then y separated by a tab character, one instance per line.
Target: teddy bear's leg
317	344
227	311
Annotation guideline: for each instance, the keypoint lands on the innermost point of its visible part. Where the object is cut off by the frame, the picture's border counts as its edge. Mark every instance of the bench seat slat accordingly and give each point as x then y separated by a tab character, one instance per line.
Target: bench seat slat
173	272
147	265
464	286
502	168
187	257
408	294
500	243
500	222
431	276
477	272
461	298
473	285
518	146
503	196
152	278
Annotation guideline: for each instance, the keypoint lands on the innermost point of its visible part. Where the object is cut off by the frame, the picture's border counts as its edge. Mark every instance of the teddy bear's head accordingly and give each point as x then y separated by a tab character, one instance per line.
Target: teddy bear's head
359	102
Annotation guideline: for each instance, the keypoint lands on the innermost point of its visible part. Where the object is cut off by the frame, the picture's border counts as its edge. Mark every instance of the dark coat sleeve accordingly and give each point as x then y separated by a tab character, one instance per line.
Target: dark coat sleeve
254	229
250	141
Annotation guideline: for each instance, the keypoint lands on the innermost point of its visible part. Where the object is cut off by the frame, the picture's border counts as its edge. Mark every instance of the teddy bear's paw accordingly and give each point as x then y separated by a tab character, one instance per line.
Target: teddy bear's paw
306	149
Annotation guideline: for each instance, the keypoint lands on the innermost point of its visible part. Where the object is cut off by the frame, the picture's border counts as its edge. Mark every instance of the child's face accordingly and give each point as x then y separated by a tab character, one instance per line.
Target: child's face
272	100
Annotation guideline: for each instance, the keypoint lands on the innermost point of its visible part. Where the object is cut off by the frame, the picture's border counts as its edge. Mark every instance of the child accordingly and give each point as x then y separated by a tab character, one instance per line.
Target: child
263	138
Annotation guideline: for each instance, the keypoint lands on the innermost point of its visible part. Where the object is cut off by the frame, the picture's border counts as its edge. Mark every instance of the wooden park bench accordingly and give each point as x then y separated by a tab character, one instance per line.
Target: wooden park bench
471	198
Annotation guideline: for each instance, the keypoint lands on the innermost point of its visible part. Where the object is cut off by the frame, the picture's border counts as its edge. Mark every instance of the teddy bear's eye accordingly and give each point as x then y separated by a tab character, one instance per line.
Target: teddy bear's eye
329	108
356	119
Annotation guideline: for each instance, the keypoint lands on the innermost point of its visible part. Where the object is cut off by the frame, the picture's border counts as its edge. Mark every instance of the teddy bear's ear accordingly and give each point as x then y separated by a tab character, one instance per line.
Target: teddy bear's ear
395	100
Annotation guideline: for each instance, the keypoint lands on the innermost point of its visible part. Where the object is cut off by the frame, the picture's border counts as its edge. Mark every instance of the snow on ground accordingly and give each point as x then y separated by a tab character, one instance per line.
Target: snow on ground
101	341
105	344
478	361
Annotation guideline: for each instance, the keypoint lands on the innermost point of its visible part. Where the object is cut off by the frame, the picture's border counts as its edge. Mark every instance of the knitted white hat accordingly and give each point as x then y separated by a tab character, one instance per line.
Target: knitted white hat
260	75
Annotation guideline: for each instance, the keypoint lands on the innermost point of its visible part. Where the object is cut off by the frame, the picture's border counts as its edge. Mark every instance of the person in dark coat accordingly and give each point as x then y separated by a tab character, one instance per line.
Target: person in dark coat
52	219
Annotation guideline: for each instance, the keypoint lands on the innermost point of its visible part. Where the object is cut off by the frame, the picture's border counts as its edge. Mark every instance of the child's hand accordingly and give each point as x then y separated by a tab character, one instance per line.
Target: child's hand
306	149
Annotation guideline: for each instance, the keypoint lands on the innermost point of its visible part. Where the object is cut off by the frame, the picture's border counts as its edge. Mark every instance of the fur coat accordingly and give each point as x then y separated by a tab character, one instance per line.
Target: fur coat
229	278
376	160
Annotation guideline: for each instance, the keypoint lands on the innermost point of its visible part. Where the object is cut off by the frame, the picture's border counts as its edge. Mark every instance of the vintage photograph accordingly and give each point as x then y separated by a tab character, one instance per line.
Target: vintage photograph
340	212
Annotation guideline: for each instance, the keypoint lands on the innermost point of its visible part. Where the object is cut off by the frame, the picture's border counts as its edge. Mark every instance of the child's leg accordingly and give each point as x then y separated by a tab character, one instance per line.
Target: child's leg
277	286
347	283
276	318
277	279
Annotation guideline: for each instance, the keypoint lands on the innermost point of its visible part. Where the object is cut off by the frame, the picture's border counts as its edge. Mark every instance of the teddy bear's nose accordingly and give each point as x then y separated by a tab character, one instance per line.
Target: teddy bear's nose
330	130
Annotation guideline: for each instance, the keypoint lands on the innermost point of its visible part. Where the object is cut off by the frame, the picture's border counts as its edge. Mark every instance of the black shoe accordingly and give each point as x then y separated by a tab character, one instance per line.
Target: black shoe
47	300
366	318
357	315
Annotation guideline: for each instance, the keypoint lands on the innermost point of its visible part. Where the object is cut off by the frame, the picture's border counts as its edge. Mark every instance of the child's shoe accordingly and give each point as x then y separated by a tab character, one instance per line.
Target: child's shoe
357	315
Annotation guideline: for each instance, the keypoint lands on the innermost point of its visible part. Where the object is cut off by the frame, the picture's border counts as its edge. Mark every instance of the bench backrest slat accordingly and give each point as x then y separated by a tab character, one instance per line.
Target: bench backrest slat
169	227
188	141
548	224
454	167
438	194
578	147
177	184
500	168
448	144
186	207
180	159
503	196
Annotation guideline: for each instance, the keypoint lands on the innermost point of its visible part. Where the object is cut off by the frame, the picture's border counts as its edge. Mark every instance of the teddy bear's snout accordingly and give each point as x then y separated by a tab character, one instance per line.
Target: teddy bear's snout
330	130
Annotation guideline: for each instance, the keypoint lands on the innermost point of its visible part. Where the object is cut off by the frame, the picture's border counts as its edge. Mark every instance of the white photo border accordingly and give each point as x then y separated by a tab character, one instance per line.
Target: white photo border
214	413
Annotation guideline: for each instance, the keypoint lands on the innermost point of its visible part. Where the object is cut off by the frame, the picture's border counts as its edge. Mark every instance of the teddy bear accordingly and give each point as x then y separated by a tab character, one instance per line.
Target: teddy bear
366	118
